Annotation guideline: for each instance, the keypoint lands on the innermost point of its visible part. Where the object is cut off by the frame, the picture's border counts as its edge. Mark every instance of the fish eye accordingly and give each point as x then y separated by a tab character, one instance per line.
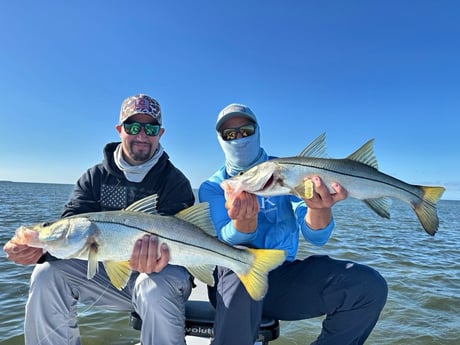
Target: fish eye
45	224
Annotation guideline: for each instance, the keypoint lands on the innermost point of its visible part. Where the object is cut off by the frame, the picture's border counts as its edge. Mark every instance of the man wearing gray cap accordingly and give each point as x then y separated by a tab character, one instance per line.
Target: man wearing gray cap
132	169
350	295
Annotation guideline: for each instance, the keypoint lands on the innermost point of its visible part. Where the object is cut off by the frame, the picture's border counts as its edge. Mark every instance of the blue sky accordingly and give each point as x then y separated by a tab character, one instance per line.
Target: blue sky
355	70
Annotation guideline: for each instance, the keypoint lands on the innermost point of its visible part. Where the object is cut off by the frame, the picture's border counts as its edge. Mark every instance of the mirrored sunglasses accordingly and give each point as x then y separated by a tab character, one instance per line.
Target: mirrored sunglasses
133	128
245	130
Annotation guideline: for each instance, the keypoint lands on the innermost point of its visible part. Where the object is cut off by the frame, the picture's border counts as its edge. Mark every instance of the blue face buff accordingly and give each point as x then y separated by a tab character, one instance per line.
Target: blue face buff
242	153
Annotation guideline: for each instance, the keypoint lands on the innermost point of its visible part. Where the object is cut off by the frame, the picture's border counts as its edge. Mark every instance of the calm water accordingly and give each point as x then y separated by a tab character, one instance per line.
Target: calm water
423	272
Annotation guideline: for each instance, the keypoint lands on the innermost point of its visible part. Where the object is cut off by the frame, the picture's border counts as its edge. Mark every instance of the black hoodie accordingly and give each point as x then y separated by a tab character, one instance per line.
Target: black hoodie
104	187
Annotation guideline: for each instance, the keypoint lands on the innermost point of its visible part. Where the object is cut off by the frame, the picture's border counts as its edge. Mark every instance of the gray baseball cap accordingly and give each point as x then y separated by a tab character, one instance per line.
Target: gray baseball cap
232	110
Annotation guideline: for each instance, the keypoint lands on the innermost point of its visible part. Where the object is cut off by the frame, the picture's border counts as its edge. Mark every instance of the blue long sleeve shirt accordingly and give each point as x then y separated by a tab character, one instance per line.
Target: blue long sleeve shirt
279	220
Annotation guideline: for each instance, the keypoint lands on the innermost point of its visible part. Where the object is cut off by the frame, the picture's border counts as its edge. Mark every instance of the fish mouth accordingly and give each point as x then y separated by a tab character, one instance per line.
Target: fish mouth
268	183
27	236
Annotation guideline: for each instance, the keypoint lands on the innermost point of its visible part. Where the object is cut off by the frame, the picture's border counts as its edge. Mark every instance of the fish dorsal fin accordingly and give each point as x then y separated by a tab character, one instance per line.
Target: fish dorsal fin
199	216
365	155
317	148
146	205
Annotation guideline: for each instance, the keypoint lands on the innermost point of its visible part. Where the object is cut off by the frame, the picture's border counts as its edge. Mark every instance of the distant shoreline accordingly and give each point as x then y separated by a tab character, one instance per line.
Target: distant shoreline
60	183
71	184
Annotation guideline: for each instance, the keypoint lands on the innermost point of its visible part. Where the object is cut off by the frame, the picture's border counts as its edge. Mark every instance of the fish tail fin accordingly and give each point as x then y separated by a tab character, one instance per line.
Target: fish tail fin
256	280
426	210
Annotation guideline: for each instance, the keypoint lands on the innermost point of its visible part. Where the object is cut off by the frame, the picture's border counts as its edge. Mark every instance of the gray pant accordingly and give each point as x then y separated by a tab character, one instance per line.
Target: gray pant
57	286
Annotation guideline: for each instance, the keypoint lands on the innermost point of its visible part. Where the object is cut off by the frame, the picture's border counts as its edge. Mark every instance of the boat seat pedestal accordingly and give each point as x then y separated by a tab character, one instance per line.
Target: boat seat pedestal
199	322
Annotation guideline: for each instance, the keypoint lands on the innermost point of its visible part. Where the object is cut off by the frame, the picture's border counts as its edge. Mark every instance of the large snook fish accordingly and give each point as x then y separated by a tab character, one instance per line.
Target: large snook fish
358	174
110	236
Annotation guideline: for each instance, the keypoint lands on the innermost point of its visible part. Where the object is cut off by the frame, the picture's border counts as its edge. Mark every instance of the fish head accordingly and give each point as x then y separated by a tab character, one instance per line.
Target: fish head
63	238
264	179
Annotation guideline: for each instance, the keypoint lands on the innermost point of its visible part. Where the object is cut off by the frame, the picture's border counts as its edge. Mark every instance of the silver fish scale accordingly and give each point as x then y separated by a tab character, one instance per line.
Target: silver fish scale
360	180
189	245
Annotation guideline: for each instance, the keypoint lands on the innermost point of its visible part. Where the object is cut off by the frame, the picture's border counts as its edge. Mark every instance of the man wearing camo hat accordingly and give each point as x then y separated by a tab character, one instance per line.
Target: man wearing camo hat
132	169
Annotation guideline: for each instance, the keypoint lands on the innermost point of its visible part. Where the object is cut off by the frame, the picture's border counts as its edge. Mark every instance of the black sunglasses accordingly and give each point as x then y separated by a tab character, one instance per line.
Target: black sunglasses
133	128
245	130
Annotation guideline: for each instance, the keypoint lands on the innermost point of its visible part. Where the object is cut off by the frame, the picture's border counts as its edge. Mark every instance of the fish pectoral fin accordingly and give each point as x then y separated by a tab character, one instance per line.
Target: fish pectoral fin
93	265
381	206
203	273
304	190
118	272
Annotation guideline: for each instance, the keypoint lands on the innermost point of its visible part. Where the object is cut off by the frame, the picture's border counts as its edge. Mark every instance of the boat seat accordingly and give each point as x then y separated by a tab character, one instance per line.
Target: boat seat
199	322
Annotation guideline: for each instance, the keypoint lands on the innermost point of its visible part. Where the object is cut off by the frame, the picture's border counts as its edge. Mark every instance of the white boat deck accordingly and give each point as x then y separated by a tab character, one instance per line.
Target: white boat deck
200	292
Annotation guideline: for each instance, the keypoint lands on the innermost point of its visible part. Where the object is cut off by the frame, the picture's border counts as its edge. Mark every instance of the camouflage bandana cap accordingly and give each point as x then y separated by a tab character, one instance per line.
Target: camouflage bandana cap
140	104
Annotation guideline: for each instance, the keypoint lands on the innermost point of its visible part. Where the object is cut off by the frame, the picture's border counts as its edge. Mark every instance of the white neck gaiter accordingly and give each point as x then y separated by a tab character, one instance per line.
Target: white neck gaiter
135	173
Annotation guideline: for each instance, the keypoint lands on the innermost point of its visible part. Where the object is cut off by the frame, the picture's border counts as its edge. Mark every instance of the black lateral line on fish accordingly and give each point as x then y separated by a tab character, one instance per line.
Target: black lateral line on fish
359	177
171	239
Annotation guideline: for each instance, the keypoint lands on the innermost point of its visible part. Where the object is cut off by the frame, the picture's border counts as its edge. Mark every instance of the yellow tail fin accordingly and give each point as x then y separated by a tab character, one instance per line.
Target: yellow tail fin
426	210
256	280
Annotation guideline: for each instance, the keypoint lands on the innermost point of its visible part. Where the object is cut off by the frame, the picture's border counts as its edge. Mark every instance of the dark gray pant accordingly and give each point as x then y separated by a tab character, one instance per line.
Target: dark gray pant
351	295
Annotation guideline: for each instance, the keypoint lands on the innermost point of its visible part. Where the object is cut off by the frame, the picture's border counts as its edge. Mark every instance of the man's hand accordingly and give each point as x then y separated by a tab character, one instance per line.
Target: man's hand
319	205
322	198
243	210
21	253
145	259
